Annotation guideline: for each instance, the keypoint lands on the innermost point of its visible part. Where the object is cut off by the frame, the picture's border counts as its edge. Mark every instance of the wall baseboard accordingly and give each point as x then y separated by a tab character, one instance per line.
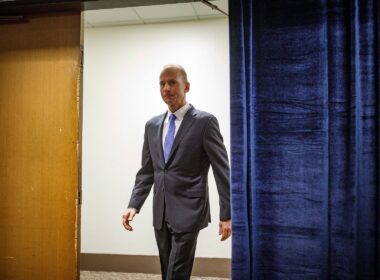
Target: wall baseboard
209	267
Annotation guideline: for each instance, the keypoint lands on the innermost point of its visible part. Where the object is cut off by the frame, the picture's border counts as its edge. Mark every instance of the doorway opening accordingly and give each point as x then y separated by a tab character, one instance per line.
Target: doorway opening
124	52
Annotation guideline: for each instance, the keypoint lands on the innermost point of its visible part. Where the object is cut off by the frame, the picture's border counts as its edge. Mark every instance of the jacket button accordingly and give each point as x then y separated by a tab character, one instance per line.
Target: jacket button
165	170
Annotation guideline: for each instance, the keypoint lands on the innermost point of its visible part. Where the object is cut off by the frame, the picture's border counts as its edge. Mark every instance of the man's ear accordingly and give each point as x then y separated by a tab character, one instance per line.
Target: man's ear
187	87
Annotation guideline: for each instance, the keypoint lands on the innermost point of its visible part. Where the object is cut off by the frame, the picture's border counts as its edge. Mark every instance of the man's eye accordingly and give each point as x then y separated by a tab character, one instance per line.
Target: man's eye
170	83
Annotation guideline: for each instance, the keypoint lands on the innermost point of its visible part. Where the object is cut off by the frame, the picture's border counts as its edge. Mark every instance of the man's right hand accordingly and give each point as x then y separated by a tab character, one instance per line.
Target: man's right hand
128	217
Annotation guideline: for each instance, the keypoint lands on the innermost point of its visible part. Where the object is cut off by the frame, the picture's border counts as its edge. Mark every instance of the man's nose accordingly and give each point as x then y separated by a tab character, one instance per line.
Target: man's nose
167	87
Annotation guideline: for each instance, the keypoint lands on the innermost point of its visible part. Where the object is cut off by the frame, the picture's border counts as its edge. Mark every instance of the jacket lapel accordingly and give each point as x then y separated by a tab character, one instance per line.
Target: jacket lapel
183	129
159	138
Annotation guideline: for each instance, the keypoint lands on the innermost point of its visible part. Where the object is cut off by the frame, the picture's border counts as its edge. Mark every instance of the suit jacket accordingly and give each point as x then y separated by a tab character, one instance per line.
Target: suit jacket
180	185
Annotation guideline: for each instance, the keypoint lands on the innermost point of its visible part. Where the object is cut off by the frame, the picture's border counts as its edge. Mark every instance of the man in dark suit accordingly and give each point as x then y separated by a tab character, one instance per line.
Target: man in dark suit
179	147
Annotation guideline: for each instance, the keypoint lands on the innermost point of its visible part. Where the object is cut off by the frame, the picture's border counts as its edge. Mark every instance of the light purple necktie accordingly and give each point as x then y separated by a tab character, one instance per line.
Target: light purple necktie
169	138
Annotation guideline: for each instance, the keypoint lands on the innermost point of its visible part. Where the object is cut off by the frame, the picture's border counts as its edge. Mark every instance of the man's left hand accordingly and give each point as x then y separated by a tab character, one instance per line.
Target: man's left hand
225	229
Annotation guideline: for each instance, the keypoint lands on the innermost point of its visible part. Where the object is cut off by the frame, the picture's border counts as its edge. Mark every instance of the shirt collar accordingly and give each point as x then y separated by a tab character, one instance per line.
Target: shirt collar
181	112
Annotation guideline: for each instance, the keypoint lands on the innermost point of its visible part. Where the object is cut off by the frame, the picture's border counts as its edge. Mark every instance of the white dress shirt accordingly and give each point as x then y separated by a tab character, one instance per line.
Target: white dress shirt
179	114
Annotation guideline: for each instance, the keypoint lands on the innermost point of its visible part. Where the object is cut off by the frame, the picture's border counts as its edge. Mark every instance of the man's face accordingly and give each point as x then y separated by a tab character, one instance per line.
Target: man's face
173	88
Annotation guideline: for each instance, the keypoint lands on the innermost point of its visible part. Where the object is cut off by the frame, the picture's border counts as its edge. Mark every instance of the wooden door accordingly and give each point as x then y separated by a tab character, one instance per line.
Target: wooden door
40	85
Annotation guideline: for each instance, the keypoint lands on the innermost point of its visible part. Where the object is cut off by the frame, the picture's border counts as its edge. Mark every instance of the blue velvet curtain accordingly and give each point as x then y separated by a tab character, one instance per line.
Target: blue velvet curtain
305	139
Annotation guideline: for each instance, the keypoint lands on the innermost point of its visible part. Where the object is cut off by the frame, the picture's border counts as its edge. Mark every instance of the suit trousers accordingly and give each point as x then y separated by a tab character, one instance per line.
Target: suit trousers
176	251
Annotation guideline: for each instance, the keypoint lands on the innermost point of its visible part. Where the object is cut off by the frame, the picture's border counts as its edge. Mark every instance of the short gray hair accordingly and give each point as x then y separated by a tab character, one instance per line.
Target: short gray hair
179	68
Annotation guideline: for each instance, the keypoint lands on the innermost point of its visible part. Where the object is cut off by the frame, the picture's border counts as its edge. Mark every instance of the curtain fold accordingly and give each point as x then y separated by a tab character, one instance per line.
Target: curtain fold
305	139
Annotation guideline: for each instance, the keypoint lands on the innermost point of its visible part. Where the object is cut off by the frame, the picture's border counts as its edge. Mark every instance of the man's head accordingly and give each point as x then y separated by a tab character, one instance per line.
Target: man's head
174	86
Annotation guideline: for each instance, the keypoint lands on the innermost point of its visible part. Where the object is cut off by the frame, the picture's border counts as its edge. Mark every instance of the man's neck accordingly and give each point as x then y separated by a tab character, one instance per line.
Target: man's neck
176	108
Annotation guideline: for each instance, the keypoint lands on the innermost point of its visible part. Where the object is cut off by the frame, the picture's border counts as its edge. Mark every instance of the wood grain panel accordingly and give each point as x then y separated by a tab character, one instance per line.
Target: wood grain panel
39	84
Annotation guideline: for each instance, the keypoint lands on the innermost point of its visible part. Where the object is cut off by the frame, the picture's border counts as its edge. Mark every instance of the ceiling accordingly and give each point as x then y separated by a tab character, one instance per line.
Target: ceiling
154	14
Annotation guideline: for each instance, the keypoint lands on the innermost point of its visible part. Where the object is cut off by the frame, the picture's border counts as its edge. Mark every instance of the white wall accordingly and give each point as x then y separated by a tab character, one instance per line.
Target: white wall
121	92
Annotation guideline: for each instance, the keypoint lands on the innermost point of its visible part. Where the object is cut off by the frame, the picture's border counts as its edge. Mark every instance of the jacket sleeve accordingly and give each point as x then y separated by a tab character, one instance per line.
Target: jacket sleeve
144	177
217	154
